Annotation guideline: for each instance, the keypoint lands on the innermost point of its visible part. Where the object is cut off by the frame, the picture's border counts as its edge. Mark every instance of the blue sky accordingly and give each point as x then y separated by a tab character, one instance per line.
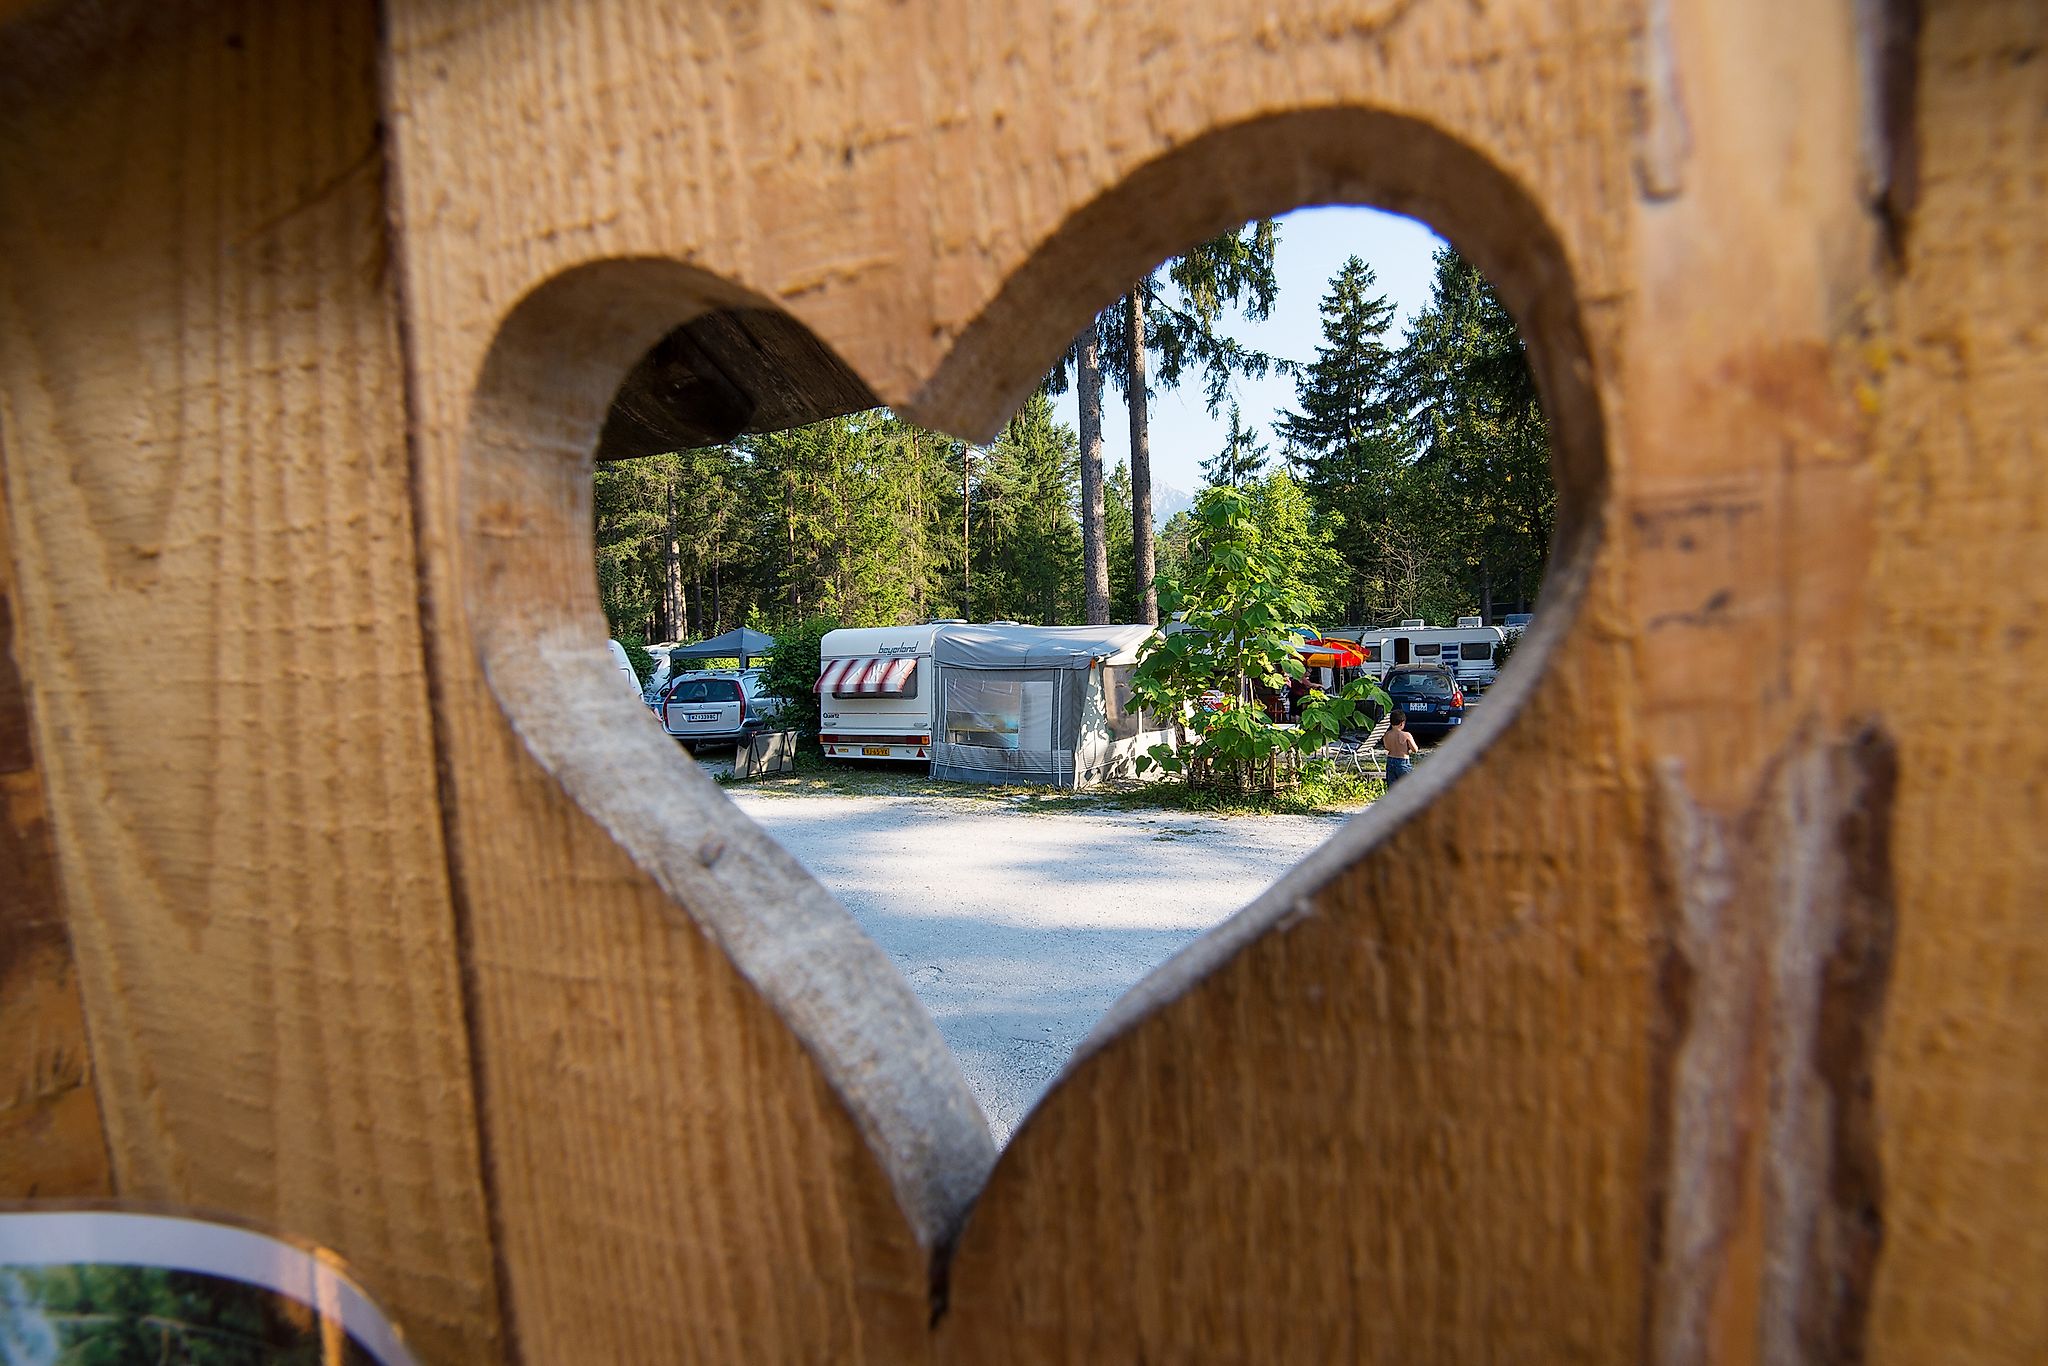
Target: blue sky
1313	244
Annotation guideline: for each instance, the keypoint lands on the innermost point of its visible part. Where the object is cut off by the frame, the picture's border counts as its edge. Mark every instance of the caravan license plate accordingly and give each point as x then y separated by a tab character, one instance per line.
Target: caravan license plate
882	750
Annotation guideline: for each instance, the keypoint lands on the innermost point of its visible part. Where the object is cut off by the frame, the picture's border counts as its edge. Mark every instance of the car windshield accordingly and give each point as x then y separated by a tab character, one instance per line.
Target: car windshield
705	690
1420	684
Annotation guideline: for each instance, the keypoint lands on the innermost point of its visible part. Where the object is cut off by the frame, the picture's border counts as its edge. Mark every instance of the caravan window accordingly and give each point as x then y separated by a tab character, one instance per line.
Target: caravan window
1372	654
1476	649
1126	718
1426	651
998	713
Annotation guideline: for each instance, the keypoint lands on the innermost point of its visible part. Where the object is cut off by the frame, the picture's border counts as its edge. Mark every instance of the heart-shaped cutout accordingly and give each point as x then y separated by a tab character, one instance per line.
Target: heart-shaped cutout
539	406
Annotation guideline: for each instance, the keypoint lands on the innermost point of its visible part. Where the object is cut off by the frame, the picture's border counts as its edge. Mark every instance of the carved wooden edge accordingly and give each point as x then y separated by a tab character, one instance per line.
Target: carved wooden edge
530	598
574	338
1270	166
208	484
731	371
52	1135
1352	153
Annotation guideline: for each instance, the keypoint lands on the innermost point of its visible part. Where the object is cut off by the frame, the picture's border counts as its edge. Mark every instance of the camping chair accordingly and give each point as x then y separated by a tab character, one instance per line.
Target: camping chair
1362	756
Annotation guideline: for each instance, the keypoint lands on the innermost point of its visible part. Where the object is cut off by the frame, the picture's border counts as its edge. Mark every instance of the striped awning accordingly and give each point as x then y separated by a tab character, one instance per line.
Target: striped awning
872	677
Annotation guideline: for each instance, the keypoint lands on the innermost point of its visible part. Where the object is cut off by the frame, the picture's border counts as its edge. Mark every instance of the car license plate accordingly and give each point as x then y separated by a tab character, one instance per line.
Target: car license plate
882	750
700	716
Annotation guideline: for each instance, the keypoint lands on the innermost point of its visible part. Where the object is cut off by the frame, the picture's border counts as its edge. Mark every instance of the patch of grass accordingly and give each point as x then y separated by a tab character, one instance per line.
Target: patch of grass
816	776
1319	793
1322	792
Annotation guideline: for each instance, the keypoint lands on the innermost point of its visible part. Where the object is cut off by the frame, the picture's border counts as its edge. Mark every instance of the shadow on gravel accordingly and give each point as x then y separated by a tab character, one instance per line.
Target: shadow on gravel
1012	1001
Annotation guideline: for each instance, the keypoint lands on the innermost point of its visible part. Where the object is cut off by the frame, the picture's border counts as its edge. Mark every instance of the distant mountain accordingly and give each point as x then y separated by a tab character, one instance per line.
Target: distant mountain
1167	500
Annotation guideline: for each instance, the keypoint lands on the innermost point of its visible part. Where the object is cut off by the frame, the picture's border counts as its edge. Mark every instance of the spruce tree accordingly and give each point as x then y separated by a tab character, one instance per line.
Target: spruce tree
1026	537
1345	439
1482	447
1242	458
1343	394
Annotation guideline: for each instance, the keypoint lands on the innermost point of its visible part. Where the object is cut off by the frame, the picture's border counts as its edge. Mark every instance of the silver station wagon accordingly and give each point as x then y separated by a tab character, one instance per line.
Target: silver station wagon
720	707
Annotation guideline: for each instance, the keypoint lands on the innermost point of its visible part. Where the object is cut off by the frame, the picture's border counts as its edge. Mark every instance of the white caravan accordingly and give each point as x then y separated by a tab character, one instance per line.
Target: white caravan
876	691
1466	649
624	664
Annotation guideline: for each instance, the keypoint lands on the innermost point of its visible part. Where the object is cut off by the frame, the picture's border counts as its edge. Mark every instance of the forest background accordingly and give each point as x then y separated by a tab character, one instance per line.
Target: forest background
1411	478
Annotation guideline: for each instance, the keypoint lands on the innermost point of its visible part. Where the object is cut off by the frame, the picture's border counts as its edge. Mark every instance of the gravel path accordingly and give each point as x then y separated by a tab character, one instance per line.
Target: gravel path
1018	928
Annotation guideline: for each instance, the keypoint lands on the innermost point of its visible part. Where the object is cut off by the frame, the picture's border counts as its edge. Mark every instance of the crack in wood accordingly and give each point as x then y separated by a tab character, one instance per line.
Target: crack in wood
1765	1214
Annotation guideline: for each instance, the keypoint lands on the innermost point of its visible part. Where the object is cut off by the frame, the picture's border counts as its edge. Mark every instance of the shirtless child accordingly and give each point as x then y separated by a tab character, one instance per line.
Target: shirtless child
1400	747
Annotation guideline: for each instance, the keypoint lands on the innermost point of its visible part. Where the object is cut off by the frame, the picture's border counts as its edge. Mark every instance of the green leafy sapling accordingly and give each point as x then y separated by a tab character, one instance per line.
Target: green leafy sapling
1239	621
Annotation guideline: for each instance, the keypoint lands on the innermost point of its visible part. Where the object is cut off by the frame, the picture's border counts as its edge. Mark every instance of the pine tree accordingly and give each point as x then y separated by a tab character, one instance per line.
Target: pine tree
1136	395
1242	458
1172	314
1345	438
1468	399
1343	393
1094	547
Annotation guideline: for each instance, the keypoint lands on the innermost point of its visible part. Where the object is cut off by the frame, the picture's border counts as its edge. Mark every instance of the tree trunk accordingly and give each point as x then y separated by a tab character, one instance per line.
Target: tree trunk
917	525
1094	541
671	610
1141	464
796	601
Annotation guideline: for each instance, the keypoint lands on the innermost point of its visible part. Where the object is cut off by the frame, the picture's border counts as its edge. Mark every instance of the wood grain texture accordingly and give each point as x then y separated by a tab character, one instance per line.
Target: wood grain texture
202	403
50	1138
1961	380
1689	1012
730	1134
1634	1134
483	248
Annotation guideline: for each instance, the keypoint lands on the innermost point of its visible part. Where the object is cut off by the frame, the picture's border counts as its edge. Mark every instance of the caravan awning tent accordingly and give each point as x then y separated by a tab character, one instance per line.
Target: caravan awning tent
1039	704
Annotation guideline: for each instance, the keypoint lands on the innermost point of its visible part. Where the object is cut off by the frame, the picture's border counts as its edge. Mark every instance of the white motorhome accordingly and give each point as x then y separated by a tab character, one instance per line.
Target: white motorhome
876	692
1467	649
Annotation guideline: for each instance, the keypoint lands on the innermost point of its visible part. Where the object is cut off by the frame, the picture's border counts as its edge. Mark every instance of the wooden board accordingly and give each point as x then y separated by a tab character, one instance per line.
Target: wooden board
719	1126
1956	593
1690	1015
206	475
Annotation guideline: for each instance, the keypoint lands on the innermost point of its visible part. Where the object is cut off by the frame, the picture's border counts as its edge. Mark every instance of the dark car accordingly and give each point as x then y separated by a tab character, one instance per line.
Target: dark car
1430	695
